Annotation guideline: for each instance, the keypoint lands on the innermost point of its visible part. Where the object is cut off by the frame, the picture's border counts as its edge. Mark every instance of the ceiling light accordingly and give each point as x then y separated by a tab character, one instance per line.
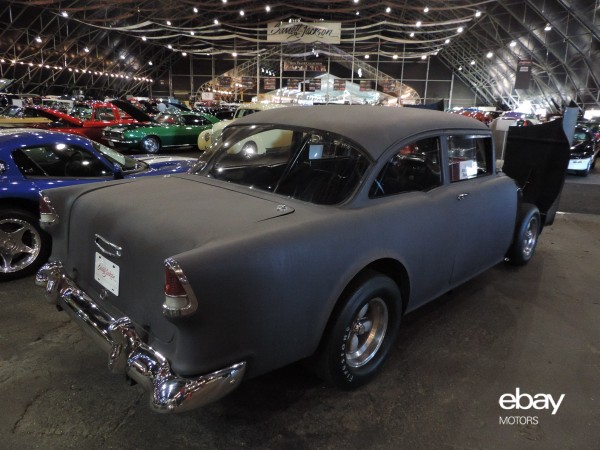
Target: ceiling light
122	56
426	9
477	13
242	12
170	46
216	21
358	13
86	49
460	30
169	22
489	54
183	54
419	23
366	56
234	54
355	1
423	56
412	34
388	10
149	63
547	27
460	68
268	8
447	41
195	9
38	39
513	43
395	57
192	33
224	1
65	14
473	62
144	38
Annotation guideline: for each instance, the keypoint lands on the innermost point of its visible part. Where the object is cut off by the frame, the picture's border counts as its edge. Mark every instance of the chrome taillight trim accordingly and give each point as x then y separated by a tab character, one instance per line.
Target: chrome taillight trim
192	306
47	218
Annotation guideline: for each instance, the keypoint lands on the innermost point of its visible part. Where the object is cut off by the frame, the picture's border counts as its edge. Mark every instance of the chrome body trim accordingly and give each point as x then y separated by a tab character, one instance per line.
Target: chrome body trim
170	263
130	355
107	247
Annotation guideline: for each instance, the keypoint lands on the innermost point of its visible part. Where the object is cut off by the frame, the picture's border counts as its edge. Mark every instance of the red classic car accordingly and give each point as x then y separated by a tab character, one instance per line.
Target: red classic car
102	115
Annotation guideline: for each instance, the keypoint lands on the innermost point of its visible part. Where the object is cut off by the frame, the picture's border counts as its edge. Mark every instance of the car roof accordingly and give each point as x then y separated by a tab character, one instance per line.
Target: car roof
375	128
29	136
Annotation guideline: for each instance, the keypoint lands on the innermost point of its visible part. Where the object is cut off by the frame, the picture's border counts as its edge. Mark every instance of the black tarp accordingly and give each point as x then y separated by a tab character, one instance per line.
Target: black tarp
537	157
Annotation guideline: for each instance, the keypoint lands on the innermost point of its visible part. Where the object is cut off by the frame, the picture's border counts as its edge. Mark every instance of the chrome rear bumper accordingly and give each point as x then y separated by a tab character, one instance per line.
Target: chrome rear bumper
129	354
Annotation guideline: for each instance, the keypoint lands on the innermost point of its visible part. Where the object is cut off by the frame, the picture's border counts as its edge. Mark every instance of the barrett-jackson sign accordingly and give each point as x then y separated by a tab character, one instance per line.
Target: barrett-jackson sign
327	32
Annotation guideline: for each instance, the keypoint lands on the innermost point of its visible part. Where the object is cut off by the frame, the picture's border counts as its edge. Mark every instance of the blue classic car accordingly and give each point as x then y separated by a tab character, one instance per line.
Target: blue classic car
306	233
32	160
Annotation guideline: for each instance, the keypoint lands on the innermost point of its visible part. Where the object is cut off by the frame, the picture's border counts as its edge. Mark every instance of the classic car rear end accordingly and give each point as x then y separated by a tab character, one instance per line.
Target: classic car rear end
302	235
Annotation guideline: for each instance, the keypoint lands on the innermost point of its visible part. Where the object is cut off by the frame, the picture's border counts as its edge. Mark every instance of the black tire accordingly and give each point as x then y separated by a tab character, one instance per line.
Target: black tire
150	144
526	235
350	354
24	246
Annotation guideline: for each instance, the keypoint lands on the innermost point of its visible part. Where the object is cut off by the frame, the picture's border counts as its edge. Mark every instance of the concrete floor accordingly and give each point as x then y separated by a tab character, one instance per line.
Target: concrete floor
535	328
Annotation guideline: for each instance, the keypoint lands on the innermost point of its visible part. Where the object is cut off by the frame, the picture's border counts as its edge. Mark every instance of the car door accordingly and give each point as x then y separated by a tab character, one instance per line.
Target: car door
484	204
190	128
416	215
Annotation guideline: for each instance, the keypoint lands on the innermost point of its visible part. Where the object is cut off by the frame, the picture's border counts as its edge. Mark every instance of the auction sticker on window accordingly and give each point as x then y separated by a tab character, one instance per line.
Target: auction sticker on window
106	273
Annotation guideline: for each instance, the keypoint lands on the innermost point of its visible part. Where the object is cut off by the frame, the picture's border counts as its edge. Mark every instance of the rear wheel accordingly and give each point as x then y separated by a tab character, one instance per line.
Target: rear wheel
24	247
526	236
361	332
150	144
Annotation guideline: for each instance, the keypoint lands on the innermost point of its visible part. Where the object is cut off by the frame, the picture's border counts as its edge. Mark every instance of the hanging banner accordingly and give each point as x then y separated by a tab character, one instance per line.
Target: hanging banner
293	83
224	82
270	84
523	76
314	85
366	85
339	84
248	82
301	66
307	33
388	86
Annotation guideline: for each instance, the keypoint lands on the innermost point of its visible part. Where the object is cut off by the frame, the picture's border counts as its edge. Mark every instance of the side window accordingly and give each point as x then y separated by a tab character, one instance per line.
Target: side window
104	114
59	161
469	157
416	167
194	120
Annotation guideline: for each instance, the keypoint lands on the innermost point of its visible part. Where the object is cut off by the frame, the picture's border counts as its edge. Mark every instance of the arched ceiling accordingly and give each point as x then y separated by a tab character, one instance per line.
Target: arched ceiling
99	43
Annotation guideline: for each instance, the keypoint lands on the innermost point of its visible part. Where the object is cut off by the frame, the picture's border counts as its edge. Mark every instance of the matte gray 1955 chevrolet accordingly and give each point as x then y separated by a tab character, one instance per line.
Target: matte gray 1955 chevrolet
306	234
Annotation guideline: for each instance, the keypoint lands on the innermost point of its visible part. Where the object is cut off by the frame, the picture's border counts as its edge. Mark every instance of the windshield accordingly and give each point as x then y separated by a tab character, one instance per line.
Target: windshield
167	119
310	165
125	162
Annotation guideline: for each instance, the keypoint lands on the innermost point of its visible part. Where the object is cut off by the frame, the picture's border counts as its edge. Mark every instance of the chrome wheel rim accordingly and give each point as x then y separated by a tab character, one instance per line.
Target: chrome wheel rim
150	145
530	237
20	245
367	331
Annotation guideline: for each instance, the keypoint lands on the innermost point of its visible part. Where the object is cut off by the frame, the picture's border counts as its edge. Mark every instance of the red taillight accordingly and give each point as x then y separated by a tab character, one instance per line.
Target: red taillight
179	297
47	213
173	287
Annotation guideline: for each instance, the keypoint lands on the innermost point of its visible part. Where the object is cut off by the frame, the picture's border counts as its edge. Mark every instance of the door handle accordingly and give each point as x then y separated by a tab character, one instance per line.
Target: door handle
462	196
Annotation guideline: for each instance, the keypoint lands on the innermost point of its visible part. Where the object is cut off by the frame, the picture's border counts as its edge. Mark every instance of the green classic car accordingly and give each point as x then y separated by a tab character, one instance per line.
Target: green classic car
166	130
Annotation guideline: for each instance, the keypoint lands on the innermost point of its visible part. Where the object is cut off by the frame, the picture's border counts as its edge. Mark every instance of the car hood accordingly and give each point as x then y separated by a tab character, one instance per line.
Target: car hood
54	115
134	112
537	158
580	148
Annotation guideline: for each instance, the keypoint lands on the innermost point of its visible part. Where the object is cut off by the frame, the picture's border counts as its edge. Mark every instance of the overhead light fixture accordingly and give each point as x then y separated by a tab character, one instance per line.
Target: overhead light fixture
268	8
547	27
426	9
38	39
183	54
234	54
224	1
242	12
358	13
388	10
192	33
150	63
366	56
169	22
460	30
423	56
86	49
419	23
447	41
477	13
513	43
170	47
489	54
216	21
144	38
473	62
412	34
195	9
395	57
460	68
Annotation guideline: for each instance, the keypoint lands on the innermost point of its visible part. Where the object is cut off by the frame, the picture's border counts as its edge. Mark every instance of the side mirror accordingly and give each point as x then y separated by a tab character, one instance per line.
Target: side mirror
118	171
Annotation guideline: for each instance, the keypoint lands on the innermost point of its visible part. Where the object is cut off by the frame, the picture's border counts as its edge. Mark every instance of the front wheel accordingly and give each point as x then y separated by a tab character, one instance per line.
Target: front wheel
150	144
526	236
23	245
361	331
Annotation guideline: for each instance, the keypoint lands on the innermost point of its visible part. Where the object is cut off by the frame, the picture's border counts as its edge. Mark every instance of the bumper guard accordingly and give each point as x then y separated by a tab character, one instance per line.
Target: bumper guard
129	354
